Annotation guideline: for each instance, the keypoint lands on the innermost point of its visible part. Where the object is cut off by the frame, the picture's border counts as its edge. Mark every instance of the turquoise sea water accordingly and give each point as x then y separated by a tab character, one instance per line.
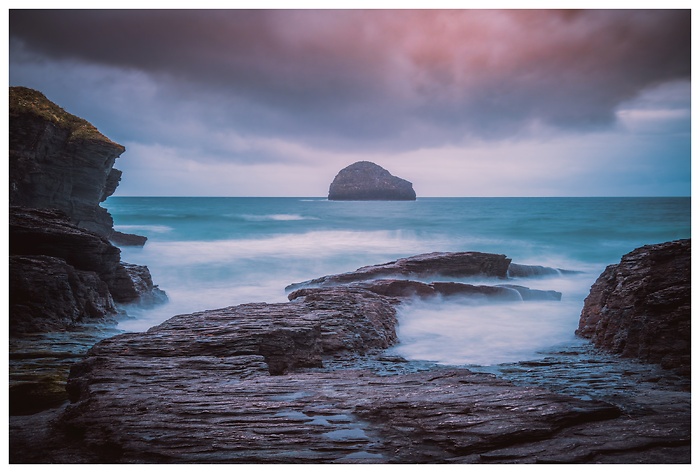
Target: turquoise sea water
214	252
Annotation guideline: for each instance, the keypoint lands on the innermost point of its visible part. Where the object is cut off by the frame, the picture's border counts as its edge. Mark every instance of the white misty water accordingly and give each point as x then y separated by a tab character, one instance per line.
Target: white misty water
209	253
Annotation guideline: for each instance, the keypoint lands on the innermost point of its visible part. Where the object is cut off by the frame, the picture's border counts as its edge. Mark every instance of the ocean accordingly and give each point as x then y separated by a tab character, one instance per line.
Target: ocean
208	253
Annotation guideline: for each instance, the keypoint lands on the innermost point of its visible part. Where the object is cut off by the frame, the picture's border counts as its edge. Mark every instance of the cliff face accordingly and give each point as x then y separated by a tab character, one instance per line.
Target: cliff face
364	180
66	277
63	268
640	307
60	161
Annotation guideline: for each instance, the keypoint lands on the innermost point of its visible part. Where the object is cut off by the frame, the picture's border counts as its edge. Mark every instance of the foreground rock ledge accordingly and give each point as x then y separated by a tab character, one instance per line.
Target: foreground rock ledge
265	383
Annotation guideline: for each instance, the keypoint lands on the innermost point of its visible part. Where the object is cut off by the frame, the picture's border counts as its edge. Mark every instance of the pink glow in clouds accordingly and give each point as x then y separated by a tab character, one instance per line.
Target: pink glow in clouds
253	94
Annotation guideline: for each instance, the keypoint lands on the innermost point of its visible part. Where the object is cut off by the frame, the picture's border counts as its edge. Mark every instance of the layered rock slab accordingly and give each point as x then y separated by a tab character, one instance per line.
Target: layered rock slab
365	180
406	289
424	266
202	388
640	307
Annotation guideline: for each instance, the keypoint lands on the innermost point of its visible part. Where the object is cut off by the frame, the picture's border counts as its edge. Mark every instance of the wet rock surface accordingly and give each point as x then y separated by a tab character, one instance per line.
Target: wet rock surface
365	180
405	288
429	265
311	381
64	280
640	307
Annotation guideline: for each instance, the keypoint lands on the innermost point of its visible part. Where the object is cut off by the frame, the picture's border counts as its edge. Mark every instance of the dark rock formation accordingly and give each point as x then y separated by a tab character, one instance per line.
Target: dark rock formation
437	265
61	168
641	307
527	271
364	180
287	383
60	161
66	278
404	288
127	239
62	274
454	265
48	295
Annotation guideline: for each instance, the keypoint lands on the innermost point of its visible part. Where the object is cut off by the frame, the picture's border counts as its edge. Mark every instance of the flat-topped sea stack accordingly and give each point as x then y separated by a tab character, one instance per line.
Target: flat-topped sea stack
364	180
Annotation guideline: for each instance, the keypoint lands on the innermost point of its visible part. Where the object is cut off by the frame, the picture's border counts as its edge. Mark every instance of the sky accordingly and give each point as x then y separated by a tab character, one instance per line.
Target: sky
459	102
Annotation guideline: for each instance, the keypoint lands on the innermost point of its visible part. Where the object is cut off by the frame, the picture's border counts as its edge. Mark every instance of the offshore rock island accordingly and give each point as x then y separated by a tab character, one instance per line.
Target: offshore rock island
364	180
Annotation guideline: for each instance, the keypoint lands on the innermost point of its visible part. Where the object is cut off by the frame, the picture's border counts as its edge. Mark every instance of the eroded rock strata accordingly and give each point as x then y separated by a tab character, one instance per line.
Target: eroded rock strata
309	381
640	307
62	274
61	168
365	180
64	271
438	264
446	265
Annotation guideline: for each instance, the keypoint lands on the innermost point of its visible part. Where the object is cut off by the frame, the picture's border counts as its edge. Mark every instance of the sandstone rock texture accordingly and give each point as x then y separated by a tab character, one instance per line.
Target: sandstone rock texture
60	161
640	307
364	180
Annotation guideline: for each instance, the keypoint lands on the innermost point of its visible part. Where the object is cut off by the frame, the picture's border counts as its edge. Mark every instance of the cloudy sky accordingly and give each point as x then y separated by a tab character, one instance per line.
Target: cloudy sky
461	103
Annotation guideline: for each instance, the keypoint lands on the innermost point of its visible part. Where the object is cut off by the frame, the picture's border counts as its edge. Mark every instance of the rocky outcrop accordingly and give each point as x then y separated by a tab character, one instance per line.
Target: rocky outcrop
60	161
307	382
443	264
310	381
67	281
364	180
641	307
62	274
465	264
404	288
49	294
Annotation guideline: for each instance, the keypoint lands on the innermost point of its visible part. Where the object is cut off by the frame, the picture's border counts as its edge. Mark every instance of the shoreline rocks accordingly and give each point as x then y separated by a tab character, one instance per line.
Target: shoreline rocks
68	285
365	180
65	281
640	307
309	381
437	264
467	264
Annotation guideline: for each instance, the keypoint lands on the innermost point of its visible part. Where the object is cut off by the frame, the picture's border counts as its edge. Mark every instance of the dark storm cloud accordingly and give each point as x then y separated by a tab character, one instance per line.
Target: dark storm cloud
382	78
